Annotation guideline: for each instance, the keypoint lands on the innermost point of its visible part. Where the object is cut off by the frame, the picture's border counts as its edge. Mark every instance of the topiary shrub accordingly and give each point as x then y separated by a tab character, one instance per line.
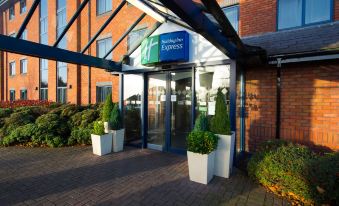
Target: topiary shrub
115	118
202	142
220	123
98	128
294	171
21	135
201	123
108	107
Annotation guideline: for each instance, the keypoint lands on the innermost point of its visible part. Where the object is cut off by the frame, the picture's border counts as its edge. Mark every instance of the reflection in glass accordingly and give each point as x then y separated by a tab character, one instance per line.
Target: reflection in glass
132	108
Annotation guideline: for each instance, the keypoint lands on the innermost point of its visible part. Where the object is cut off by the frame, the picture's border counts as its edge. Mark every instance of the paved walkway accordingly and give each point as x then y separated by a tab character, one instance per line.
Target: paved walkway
73	176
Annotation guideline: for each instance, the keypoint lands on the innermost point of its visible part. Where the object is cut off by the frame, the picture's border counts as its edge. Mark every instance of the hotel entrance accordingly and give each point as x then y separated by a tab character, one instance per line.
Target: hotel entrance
169	109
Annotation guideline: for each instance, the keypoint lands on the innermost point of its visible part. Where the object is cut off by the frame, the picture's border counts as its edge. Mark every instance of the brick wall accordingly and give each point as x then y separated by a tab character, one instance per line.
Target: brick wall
309	105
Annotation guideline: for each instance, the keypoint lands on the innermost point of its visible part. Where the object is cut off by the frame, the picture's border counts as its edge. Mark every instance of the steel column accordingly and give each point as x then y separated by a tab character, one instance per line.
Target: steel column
28	18
74	17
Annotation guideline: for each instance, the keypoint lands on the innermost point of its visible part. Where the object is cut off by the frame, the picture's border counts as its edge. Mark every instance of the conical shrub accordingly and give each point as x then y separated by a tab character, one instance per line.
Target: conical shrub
108	106
220	123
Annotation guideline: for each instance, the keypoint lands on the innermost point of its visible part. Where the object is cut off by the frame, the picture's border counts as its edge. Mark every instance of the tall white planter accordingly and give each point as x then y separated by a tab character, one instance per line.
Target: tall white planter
200	167
118	140
107	127
102	144
223	161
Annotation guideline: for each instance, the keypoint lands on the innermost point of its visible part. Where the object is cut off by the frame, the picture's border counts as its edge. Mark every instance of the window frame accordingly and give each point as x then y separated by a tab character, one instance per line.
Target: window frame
21	94
106	11
303	14
12	7
109	57
144	29
21	8
10	95
12	74
237	6
102	99
21	68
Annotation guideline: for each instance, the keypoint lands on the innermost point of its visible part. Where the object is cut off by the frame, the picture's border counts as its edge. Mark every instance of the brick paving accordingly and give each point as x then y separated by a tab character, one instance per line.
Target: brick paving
73	176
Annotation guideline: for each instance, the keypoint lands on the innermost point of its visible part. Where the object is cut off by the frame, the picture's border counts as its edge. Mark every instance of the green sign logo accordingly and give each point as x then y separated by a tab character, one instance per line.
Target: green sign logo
150	50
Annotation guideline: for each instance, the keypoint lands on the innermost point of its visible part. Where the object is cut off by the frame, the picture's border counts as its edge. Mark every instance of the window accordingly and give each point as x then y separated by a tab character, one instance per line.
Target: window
103	92
22	6
43	79
43	22
104	6
297	13
134	37
12	95
23	94
12	35
24	35
103	46
11	12
61	22
62	82
12	69
23	66
232	14
62	95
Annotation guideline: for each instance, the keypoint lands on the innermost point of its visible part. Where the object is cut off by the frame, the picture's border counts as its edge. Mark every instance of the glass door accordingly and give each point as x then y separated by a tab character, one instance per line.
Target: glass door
157	84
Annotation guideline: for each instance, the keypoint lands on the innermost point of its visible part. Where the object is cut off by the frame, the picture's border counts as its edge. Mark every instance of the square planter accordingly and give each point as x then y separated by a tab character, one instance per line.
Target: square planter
107	127
200	167
223	161
118	140
101	144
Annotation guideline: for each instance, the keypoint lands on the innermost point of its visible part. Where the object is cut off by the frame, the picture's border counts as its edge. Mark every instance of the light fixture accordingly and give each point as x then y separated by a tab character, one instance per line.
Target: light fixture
70	86
148	10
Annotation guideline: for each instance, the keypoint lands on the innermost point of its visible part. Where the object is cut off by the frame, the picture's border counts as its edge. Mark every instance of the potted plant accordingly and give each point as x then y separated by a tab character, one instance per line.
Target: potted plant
220	125
108	106
101	142
200	154
116	129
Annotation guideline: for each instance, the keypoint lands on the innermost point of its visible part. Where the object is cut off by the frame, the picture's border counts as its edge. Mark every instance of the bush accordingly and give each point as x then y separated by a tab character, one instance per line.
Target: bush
98	128
69	110
201	123
84	119
108	107
20	135
220	123
5	112
80	136
294	171
16	120
202	142
115	118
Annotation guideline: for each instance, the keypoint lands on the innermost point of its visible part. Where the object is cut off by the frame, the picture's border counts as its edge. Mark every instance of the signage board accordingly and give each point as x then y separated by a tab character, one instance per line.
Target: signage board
163	48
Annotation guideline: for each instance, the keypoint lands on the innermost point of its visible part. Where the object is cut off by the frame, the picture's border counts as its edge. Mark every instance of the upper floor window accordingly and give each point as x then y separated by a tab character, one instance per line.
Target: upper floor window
104	6
134	37
298	13
23	66
43	22
11	12
22	6
24	35
103	46
232	14
12	69
61	22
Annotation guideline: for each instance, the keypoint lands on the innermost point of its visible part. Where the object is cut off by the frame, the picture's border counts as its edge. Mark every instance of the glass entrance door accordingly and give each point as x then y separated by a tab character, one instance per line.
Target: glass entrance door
169	110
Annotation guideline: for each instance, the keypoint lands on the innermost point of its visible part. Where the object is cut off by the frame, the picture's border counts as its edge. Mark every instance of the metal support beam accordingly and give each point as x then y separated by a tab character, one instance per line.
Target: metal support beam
74	17
28	18
226	27
194	17
18	46
116	11
125	34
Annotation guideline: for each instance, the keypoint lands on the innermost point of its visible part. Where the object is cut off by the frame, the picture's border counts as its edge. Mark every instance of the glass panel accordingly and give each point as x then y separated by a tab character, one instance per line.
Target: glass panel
156	109
317	11
290	13
12	95
208	80
132	107
62	74
232	15
181	111
43	8
134	37
44	94
23	94
62	95
103	92
23	65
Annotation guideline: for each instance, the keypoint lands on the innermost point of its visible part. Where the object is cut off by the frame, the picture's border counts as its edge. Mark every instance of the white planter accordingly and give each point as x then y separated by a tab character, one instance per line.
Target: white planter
118	140
223	161
200	167
102	144
107	127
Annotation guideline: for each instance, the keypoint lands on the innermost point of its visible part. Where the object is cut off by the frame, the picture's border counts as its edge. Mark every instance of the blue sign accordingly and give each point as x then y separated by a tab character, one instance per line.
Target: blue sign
174	47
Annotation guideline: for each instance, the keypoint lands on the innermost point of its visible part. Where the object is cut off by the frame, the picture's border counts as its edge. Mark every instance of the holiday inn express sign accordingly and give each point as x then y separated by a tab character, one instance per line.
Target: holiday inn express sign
168	47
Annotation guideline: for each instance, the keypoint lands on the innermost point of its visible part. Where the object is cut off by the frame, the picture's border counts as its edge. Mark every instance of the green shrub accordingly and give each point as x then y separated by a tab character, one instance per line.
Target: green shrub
35	111
115	118
69	110
20	135
5	112
220	123
80	136
16	120
98	128
201	123
108	107
296	172
202	142
84	118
